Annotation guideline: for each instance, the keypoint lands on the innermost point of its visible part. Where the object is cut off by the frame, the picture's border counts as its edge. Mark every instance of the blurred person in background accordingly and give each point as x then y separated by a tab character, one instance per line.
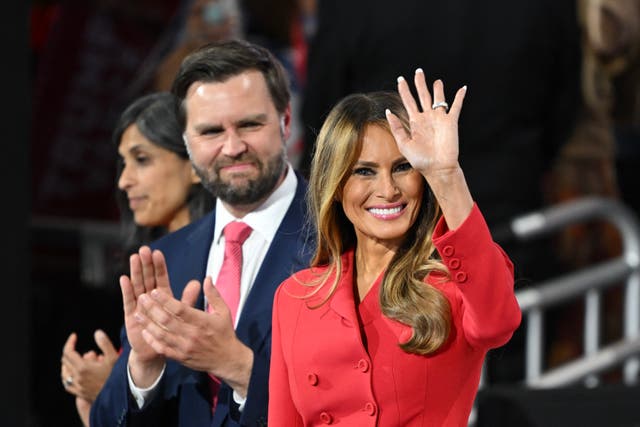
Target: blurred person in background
207	21
159	192
600	158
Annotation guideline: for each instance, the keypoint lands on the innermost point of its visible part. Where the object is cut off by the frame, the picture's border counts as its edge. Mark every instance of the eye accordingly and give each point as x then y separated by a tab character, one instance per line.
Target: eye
363	171
142	159
250	125
403	167
211	132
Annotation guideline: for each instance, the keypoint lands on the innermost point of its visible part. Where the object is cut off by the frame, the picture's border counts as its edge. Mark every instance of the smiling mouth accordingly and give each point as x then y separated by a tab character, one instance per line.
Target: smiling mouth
237	167
387	213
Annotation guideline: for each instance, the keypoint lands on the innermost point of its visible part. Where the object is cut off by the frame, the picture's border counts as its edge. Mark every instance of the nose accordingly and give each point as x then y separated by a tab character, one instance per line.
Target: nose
126	179
233	145
388	189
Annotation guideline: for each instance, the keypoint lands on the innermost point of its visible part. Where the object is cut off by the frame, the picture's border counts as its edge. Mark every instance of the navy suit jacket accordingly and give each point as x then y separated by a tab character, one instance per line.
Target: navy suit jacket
184	397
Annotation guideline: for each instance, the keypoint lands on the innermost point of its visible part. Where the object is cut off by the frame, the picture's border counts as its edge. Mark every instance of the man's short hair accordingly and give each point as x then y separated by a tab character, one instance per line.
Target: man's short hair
219	61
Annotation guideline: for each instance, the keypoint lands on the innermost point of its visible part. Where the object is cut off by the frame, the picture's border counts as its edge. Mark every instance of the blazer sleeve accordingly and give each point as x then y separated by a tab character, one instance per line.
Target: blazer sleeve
115	406
112	403
482	274
254	413
282	411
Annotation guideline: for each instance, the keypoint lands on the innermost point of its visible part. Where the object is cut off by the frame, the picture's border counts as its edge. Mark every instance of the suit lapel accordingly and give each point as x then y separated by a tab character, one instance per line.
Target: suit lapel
193	258
288	253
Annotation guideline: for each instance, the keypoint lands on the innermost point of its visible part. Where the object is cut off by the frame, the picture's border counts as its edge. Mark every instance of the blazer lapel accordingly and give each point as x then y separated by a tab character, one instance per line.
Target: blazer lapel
342	301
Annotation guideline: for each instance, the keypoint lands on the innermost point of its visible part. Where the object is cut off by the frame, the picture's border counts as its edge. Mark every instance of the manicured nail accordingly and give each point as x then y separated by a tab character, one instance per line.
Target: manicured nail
400	79
464	88
419	70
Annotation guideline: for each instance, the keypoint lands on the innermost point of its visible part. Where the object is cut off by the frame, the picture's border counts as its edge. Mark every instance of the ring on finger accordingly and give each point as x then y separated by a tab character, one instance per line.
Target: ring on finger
442	104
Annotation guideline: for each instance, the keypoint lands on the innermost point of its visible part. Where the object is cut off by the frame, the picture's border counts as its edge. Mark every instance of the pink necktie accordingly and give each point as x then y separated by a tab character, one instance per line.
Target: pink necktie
228	282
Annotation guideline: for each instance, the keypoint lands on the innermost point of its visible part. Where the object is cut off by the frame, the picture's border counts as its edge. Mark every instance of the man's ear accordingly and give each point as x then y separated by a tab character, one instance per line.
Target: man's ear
285	123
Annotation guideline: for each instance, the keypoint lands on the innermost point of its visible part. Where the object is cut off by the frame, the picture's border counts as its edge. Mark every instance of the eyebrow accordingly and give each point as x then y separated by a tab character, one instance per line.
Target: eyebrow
132	150
139	147
369	164
251	119
204	127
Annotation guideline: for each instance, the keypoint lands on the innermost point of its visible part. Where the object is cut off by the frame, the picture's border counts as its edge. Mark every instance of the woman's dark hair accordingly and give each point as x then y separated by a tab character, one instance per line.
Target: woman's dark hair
155	117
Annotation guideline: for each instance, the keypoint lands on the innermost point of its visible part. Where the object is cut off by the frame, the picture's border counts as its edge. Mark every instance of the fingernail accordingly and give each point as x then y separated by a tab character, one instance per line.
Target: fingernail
155	294
464	87
387	112
138	317
99	333
400	79
419	70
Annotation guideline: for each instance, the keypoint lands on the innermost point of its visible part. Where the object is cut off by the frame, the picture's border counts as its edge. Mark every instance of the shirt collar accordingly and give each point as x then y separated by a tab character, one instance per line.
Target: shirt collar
266	218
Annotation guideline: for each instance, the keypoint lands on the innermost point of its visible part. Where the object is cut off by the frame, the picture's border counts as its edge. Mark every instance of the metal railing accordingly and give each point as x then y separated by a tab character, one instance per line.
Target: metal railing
587	283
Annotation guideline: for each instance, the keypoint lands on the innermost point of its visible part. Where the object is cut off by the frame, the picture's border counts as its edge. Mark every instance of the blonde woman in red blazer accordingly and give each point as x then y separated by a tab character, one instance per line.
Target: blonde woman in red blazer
407	290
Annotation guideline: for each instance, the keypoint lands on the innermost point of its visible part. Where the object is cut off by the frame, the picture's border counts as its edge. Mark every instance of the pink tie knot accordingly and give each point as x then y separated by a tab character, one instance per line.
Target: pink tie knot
237	232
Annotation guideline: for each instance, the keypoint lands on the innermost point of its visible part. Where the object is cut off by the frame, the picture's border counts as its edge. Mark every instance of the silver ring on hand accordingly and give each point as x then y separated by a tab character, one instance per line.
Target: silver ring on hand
68	382
440	104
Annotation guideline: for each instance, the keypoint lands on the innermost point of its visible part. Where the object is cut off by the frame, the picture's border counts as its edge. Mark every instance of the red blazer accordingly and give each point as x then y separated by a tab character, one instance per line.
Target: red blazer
323	373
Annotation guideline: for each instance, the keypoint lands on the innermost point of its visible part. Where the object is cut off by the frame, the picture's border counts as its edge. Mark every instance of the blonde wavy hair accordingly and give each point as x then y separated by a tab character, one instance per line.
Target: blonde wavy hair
404	295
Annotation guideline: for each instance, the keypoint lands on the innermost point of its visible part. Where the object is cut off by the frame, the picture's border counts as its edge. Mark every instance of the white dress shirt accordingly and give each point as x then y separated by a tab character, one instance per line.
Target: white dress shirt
264	221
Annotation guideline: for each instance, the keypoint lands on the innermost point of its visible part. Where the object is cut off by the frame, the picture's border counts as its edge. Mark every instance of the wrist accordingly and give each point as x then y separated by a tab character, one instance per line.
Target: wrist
144	372
239	369
444	176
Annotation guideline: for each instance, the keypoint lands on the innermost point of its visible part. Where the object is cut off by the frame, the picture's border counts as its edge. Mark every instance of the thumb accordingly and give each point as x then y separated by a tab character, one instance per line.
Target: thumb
70	343
191	293
105	344
218	305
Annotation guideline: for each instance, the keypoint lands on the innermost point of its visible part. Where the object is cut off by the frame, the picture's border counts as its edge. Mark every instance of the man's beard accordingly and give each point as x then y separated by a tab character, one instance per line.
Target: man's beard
251	191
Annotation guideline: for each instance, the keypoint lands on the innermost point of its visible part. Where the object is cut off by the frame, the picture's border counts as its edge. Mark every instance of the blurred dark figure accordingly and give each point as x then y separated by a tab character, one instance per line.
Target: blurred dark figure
284	27
205	21
86	54
601	158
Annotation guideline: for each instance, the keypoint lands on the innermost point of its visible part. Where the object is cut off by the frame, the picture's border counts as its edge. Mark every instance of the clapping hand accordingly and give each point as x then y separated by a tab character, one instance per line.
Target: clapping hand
148	272
197	339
